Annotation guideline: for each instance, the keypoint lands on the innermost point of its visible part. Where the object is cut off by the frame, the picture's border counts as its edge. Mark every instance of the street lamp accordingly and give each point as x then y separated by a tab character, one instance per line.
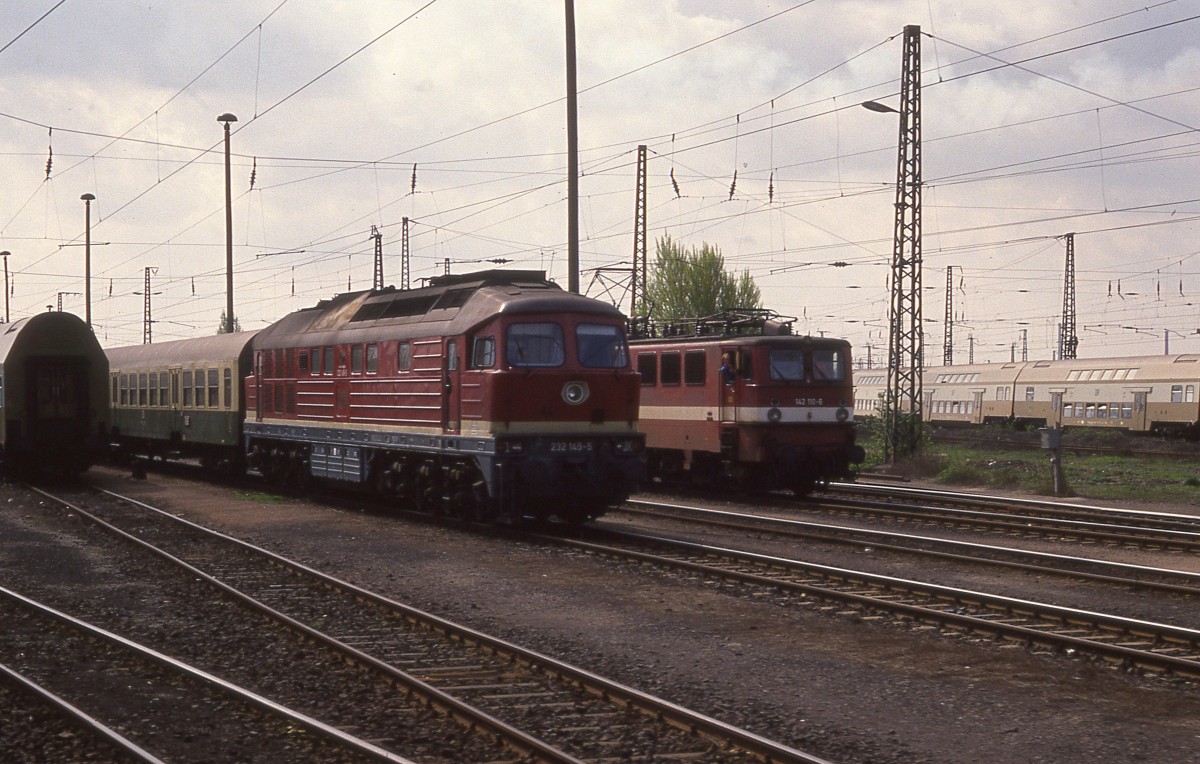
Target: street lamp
225	119
5	255
87	259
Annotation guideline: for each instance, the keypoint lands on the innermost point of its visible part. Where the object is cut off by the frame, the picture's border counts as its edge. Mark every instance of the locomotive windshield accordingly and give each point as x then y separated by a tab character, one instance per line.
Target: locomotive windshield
539	344
601	346
827	366
787	365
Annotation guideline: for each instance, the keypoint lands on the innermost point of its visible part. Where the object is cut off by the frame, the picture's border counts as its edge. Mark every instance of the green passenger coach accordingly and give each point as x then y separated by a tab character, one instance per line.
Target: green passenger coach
180	399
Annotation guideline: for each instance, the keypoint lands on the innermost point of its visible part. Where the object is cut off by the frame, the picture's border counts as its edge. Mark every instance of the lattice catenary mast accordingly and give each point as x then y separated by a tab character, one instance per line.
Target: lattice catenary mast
1068	340
905	346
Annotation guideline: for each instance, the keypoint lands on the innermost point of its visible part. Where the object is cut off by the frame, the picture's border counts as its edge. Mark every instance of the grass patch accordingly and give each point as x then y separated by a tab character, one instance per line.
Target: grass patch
1173	477
261	497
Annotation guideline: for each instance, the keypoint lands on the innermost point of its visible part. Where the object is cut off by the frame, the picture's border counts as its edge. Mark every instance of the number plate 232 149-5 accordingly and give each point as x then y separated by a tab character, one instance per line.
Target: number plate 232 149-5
570	447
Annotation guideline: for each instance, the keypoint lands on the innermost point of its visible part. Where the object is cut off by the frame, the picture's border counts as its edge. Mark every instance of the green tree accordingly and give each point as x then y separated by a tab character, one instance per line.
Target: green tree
693	284
237	325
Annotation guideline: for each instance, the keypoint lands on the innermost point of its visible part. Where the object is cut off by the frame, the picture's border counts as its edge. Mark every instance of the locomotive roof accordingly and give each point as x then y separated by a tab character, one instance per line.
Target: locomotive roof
214	348
746	340
450	305
47	334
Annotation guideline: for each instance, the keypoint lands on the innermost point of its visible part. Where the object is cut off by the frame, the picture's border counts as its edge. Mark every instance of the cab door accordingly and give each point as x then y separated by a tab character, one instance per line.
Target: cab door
451	387
1139	412
729	383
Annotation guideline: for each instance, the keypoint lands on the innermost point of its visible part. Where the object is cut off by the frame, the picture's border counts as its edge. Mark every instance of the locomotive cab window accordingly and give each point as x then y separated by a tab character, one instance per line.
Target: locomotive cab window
647	366
828	366
601	346
745	368
534	344
483	353
786	365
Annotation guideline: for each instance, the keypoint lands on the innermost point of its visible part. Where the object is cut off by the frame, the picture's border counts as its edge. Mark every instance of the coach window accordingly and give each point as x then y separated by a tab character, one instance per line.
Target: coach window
483	352
404	357
356	359
601	346
669	368
162	388
327	363
124	389
827	366
694	364
1029	395
647	366
534	344
786	365
229	387
142	385
153	389
372	359
1189	395
1176	393
199	379
214	389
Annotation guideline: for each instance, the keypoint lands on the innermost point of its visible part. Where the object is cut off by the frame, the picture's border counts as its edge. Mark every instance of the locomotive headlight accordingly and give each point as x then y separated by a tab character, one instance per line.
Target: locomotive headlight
575	393
842	415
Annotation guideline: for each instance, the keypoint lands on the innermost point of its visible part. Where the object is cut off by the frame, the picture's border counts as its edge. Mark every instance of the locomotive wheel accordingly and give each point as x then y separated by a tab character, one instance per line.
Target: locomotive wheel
426	496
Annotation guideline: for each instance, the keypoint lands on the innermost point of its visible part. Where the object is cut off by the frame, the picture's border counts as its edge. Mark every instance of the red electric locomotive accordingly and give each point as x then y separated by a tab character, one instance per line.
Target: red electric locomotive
484	395
738	398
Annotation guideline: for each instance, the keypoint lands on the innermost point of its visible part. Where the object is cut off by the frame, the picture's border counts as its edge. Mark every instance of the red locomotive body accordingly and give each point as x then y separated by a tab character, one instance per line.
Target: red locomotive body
767	412
484	395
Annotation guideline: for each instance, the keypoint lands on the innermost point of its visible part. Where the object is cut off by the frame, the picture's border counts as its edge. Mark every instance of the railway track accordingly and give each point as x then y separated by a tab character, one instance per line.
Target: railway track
539	708
52	729
1089	525
1074	567
148	692
1127	642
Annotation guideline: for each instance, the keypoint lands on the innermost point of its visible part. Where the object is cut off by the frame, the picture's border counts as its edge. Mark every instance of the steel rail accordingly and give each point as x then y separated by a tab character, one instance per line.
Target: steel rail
80	717
999	606
854	536
179	667
468	715
652	707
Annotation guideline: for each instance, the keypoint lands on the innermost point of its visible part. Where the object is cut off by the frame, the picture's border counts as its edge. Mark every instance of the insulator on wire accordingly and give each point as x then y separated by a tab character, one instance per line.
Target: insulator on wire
675	184
771	188
253	172
733	185
413	189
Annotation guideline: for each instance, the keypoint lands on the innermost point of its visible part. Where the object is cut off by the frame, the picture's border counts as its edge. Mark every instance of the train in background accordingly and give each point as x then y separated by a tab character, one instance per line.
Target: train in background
1140	394
489	396
738	399
53	395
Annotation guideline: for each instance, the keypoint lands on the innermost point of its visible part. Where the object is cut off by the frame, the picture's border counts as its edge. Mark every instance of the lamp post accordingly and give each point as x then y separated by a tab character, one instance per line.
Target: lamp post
87	260
225	119
5	255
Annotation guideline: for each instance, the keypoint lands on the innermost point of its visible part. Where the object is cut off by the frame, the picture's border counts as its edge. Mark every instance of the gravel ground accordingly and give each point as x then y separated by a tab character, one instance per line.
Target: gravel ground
841	686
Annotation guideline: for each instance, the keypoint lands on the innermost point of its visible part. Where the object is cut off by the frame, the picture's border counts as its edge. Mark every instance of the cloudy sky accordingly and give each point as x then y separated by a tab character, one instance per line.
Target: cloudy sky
1039	119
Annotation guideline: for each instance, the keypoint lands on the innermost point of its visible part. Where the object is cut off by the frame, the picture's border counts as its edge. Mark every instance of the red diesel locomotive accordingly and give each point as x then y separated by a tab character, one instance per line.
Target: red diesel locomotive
740	399
486	395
